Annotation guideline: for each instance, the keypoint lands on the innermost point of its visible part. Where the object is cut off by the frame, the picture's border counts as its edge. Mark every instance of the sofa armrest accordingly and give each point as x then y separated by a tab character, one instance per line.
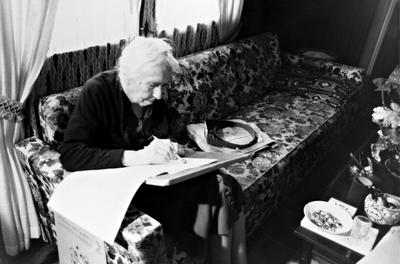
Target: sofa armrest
353	74
42	161
43	170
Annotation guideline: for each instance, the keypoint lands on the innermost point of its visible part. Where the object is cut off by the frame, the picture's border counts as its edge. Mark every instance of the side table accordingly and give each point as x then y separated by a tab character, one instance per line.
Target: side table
322	248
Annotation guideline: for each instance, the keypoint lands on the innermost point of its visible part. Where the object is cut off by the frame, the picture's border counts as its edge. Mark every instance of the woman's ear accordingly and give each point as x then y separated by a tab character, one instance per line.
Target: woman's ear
169	42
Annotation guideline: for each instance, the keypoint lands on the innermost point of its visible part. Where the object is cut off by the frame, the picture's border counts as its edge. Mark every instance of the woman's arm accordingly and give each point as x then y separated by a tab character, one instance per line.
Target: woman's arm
80	149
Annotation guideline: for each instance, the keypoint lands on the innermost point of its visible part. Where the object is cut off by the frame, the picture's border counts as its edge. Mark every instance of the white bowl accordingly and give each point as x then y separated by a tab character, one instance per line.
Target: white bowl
339	213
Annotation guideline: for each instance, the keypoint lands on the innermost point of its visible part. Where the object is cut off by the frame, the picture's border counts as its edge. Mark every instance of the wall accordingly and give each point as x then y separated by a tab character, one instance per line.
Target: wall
389	55
340	26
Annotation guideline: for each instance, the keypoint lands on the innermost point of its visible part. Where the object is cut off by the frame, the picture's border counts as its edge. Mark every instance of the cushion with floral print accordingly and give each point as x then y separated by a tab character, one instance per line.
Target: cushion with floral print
331	86
54	113
351	73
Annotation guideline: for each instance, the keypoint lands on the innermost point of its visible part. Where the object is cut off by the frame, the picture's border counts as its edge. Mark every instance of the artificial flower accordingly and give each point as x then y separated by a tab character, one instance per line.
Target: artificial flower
387	116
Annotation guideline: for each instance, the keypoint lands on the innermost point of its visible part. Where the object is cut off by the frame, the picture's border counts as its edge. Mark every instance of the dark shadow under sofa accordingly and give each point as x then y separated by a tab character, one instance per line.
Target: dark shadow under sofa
305	105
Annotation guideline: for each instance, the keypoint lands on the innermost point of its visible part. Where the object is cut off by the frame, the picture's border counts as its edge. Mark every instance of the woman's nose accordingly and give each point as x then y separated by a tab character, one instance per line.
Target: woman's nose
157	92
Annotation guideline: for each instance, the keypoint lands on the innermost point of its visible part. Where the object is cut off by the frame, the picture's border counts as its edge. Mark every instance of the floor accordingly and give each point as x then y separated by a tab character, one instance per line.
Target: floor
274	243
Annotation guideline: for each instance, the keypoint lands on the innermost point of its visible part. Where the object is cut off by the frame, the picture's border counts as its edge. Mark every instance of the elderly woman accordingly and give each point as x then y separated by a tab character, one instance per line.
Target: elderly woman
117	122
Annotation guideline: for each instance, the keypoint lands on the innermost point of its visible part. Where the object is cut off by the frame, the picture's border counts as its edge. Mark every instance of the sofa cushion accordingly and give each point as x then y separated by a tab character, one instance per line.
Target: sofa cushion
221	80
44	172
326	86
54	113
351	73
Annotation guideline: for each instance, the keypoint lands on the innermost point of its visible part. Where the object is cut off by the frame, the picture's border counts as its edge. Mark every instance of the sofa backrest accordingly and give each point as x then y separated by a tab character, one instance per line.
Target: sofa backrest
218	81
212	84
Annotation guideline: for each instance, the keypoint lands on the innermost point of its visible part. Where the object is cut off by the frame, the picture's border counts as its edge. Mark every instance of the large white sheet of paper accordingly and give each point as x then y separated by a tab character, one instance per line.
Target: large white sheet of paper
97	200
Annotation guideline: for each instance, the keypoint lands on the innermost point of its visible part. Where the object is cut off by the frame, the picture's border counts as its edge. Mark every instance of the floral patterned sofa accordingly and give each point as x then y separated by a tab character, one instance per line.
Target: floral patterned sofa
304	105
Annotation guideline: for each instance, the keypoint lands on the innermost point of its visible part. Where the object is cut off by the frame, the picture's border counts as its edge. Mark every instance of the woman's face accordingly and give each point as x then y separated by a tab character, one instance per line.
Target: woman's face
149	85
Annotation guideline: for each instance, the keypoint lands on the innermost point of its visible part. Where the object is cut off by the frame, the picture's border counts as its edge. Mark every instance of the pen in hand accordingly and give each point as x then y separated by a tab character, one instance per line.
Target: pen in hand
179	159
176	154
175	150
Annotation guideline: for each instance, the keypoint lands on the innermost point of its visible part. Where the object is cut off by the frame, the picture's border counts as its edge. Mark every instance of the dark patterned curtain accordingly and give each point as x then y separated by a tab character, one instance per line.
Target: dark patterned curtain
67	70
184	42
191	40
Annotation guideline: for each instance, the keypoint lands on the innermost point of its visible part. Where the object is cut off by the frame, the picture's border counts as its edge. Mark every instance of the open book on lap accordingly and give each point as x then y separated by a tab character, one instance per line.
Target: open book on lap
203	162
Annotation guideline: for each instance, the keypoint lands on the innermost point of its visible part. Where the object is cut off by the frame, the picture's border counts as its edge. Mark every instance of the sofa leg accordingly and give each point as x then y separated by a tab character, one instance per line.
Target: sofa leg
239	248
219	250
231	248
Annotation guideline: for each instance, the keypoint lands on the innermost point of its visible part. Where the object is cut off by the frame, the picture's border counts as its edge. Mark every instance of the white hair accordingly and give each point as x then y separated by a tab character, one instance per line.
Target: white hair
143	52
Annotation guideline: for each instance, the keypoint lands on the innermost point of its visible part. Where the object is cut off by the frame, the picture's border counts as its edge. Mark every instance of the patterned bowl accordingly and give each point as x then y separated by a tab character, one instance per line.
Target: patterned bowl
380	214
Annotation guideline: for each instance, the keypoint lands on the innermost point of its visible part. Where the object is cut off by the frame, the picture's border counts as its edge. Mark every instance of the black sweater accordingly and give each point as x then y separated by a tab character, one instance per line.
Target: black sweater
103	125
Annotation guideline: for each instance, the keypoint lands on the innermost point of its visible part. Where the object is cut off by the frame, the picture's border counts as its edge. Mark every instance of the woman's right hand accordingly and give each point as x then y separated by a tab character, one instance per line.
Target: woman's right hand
159	151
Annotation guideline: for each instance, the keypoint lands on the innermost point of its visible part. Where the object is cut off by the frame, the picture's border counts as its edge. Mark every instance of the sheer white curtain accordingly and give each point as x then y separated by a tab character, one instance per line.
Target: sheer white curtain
229	19
25	28
179	14
31	31
81	24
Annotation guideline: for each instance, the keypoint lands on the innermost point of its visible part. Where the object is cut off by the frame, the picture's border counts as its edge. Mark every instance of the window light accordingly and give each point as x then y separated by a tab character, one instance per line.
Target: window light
182	13
81	24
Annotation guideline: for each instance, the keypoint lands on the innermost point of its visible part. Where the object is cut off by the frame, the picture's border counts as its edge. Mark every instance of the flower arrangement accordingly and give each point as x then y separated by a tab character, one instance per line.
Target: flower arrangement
387	116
